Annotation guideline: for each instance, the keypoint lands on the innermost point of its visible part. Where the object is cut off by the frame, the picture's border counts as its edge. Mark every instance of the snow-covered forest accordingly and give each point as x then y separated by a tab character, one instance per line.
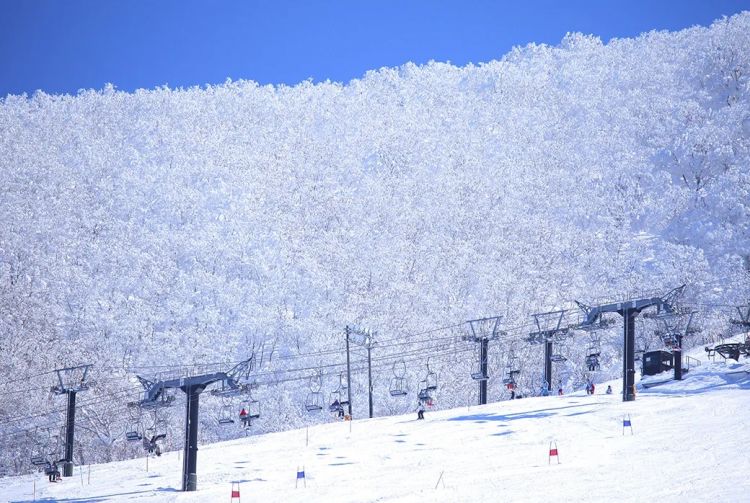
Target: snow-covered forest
156	232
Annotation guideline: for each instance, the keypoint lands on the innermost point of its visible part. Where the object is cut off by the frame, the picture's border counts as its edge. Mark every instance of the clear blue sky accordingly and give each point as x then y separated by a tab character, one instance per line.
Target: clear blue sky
63	46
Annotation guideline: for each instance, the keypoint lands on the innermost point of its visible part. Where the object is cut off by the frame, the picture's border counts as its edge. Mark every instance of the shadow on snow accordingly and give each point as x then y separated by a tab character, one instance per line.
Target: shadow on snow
534	414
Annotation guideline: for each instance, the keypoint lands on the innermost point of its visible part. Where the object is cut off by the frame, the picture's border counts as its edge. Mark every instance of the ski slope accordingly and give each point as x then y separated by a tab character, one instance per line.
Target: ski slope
687	444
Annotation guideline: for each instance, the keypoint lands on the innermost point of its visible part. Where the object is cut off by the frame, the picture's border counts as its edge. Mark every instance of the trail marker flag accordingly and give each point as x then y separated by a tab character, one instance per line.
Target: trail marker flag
300	475
235	492
553	452
626	423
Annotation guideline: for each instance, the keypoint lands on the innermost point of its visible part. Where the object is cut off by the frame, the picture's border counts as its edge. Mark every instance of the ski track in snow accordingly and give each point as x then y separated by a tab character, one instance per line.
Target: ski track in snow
686	446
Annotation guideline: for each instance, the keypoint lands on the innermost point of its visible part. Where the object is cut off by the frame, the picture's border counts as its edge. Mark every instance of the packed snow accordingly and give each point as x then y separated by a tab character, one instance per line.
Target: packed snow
685	444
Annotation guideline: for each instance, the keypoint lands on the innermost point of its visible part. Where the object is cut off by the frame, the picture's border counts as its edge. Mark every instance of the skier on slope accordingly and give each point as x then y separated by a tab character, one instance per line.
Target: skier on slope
420	410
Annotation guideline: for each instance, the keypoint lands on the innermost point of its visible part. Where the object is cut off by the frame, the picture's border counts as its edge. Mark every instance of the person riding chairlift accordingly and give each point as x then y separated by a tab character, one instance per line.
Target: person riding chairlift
338	408
243	417
151	445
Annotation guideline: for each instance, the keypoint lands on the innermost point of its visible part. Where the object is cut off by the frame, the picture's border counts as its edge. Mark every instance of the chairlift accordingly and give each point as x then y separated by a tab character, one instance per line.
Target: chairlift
133	430
593	352
335	400
511	368
41	446
252	407
314	399
398	382
226	413
478	375
424	393
153	435
340	395
431	382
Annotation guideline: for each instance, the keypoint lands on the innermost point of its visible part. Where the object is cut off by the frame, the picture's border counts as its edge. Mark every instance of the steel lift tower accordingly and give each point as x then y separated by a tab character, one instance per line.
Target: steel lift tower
71	381
483	331
549	329
629	310
233	382
676	326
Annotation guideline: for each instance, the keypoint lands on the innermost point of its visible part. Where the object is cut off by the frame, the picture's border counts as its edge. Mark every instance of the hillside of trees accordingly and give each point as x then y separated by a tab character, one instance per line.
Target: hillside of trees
159	231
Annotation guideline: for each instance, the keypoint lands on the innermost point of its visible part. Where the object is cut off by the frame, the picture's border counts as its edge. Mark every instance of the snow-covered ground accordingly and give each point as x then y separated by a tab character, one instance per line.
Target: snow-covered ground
687	445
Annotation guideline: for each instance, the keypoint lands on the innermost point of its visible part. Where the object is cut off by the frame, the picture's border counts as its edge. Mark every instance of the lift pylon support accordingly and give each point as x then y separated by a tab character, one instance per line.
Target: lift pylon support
482	331
71	381
233	382
629	310
676	326
549	328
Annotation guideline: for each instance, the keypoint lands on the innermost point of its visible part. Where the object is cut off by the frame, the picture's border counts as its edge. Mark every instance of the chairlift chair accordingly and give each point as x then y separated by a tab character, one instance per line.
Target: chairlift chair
593	352
478	375
343	390
226	414
38	460
133	434
398	382
340	395
252	407
557	358
511	368
431	382
398	386
314	401
133	431
424	392
42	443
335	401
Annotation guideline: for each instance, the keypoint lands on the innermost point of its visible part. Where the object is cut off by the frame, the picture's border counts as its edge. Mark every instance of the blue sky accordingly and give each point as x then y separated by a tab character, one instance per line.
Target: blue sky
64	46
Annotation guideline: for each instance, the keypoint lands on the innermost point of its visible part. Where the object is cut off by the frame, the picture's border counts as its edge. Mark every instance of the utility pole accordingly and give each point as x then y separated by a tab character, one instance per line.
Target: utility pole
71	380
369	376
348	373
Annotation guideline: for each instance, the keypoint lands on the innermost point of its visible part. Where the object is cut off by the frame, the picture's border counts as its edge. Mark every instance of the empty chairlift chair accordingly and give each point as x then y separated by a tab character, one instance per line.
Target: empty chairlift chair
398	382
226	413
478	374
431	378
512	369
558	351
133	431
314	399
42	444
